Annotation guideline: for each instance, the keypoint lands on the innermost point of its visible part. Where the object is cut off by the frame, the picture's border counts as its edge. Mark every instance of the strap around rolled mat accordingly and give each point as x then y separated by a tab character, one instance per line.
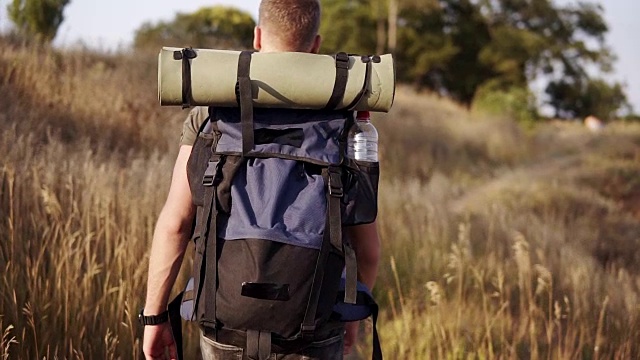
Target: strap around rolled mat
186	55
245	101
365	86
340	85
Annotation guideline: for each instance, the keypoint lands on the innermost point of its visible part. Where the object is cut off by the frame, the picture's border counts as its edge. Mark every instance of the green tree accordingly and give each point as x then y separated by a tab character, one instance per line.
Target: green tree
37	18
458	47
559	43
469	31
348	26
219	27
589	97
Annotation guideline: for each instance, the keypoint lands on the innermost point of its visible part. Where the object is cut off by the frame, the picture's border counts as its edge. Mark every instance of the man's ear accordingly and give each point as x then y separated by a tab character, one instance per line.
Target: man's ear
257	38
317	41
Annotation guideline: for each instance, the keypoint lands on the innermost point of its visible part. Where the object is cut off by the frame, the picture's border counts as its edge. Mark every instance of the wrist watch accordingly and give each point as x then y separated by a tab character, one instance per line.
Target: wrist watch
145	320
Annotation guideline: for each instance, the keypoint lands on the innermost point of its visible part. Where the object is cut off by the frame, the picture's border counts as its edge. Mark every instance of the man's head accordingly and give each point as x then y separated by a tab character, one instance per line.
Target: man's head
288	25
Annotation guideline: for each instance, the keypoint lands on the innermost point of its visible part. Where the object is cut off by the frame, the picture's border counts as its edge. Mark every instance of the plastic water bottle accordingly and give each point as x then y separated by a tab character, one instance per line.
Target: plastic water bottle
362	143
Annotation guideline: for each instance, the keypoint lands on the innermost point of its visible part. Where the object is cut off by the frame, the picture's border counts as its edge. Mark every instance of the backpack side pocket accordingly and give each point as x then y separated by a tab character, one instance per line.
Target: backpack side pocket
360	200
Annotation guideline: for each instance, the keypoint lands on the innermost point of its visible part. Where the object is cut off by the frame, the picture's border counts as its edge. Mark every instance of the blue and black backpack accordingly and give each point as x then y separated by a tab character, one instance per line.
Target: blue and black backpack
273	190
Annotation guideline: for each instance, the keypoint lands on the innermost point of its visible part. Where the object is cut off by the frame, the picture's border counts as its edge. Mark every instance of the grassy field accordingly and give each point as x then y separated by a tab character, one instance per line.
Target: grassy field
499	242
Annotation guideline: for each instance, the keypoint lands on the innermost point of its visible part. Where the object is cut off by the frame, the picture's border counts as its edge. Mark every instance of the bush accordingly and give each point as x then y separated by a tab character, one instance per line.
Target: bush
514	103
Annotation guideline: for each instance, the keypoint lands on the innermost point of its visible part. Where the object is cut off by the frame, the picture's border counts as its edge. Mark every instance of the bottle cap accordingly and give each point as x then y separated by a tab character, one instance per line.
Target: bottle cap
363	115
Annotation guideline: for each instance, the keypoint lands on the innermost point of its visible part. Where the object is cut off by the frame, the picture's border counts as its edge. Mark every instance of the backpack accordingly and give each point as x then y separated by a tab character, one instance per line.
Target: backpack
273	190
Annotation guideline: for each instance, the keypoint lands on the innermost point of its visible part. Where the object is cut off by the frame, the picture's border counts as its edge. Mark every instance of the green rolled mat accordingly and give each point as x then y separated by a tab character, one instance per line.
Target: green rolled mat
282	80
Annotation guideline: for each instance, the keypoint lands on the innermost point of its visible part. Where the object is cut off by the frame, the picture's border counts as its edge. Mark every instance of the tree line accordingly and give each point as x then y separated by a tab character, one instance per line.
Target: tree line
487	52
482	53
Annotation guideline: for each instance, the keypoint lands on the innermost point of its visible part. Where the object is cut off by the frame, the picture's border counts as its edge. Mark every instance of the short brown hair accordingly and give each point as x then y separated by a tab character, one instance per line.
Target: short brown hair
294	22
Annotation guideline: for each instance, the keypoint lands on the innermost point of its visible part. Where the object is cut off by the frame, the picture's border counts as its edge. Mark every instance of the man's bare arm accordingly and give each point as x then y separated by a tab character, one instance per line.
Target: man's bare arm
366	243
171	237
170	240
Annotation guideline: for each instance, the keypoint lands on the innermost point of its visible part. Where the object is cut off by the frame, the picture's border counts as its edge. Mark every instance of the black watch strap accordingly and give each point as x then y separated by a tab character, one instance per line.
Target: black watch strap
153	319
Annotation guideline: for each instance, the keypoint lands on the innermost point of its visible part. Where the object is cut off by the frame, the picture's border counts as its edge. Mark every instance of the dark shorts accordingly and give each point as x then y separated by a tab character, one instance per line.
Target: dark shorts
330	348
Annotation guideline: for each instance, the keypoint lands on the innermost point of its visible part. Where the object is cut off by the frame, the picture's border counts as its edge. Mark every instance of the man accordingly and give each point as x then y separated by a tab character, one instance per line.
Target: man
284	25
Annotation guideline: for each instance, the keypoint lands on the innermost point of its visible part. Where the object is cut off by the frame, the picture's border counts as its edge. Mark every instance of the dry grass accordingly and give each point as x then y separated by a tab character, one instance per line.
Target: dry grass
517	244
80	189
499	242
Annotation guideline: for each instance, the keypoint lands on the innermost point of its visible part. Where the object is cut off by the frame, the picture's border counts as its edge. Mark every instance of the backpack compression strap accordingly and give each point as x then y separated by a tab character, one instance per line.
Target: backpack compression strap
206	266
335	189
332	236
186	55
245	100
342	76
340	85
367	79
351	265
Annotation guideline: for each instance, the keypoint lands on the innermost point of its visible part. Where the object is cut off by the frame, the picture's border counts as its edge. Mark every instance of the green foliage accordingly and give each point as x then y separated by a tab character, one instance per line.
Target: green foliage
509	51
421	50
590	97
464	22
37	18
512	103
219	27
458	47
348	26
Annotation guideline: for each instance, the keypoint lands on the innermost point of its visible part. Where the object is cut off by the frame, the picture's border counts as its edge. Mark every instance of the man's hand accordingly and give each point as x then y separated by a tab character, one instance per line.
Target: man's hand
158	340
350	336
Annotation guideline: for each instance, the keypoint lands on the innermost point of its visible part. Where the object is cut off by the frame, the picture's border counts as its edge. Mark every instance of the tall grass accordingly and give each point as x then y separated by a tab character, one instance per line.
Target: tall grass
80	188
529	251
498	242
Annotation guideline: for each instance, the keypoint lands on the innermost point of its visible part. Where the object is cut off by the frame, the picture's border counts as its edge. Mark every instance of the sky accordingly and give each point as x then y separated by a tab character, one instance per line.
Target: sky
104	25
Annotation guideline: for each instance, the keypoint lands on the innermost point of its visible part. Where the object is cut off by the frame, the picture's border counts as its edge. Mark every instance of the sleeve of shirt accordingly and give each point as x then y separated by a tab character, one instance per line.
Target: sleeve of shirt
192	124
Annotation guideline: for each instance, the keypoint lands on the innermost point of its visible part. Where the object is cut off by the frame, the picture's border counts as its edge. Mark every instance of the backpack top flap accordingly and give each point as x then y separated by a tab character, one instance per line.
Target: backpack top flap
312	136
279	194
276	199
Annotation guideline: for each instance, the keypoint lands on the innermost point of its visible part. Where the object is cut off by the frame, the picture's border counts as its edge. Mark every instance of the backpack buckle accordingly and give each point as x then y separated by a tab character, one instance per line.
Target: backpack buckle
307	330
212	174
335	182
